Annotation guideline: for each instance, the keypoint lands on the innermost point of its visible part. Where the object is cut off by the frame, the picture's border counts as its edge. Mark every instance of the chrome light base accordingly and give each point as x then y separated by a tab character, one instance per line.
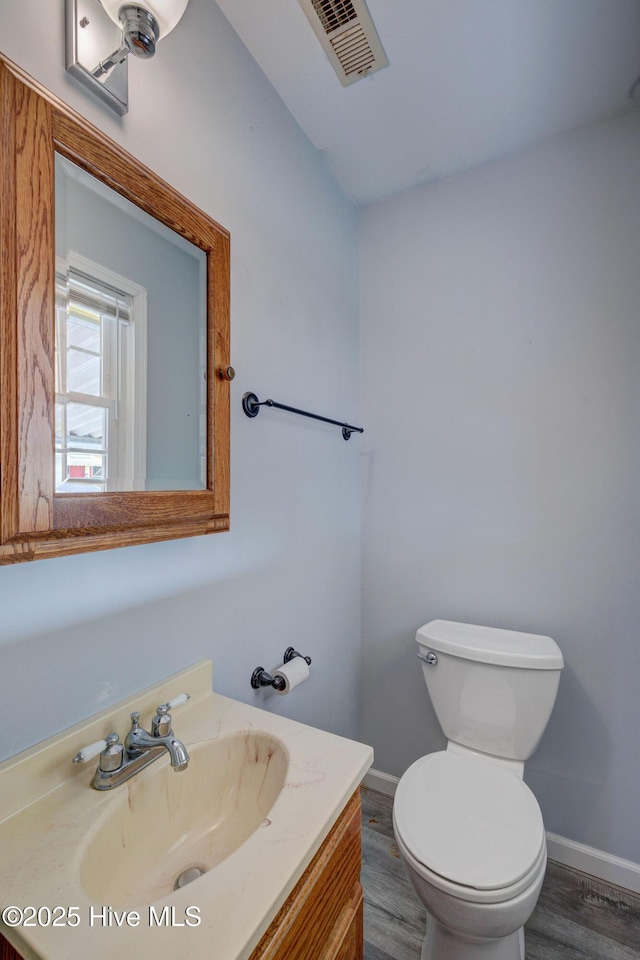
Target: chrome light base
92	37
140	29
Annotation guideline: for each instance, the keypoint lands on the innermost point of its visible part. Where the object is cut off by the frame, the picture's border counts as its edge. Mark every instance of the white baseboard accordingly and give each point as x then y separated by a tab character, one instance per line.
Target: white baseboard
382	782
597	863
578	856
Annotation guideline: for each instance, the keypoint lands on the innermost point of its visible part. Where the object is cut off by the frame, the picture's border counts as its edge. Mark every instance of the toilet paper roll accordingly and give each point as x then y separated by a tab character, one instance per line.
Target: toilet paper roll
293	673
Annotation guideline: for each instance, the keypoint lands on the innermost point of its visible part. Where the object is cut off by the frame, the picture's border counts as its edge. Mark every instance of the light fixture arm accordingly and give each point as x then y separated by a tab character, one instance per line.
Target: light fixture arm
115	58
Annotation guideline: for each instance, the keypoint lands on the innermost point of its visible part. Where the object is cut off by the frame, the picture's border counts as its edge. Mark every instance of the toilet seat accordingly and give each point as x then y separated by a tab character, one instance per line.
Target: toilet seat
472	828
458	891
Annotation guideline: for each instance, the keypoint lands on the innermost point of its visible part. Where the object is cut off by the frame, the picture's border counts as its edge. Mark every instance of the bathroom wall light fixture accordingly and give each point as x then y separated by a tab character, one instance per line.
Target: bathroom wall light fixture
101	35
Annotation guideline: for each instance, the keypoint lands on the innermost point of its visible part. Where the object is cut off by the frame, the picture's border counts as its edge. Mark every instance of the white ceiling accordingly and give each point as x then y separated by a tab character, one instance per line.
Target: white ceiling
468	81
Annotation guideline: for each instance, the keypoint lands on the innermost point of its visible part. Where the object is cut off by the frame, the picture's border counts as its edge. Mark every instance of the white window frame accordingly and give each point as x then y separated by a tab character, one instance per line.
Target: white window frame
127	421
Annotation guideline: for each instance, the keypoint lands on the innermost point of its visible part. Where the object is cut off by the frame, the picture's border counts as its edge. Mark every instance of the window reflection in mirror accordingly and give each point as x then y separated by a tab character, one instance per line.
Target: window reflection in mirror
130	360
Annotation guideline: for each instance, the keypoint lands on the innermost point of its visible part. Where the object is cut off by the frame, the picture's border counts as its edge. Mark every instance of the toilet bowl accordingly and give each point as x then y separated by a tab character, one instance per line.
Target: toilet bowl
472	840
468	828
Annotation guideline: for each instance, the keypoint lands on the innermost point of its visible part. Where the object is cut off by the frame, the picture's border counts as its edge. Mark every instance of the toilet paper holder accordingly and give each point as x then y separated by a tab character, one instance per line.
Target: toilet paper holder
261	678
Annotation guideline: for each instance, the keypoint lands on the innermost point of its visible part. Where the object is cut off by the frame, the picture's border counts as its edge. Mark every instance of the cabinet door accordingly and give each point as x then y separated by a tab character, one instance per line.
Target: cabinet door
322	918
6	950
60	393
346	942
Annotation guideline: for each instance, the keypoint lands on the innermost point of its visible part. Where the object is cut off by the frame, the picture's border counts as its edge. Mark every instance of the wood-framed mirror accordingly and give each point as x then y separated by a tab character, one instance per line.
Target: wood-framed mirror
84	343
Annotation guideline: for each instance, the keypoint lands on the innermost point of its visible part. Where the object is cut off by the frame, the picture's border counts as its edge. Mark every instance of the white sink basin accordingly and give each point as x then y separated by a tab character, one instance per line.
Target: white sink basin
162	822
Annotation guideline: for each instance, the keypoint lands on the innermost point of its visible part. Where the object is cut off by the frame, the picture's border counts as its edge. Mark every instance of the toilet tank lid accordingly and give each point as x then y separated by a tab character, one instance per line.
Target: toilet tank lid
509	648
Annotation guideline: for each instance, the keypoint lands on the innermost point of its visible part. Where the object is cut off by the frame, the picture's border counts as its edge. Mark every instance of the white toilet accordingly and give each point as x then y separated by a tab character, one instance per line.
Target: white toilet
468	828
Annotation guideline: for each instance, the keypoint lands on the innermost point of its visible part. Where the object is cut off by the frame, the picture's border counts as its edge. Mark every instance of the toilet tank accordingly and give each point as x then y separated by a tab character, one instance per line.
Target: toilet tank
492	690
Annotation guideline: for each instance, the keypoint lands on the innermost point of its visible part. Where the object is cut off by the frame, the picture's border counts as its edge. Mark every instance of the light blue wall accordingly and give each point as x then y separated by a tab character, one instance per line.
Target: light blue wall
80	632
500	359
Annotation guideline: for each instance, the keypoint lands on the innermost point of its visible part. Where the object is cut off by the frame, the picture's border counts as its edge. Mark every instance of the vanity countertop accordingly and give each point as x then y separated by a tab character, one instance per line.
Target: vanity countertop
48	809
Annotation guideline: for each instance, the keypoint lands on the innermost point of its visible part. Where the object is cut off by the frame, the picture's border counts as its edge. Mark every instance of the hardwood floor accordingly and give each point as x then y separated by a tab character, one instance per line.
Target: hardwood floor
577	917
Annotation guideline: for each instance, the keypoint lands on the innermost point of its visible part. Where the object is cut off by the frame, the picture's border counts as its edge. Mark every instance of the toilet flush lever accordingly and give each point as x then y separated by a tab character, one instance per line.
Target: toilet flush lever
430	658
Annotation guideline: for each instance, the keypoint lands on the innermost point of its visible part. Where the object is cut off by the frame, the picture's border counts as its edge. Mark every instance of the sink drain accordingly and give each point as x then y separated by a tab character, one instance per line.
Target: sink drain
188	876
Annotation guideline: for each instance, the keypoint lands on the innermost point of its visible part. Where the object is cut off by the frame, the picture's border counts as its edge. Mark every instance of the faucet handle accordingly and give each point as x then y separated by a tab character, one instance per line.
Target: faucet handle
161	723
176	702
90	751
93	749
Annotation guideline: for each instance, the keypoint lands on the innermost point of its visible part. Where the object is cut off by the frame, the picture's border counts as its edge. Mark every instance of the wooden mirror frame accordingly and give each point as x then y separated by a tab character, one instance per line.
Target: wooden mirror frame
34	520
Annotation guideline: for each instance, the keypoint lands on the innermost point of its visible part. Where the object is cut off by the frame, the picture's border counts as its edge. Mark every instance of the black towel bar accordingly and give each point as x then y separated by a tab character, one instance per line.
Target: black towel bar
251	406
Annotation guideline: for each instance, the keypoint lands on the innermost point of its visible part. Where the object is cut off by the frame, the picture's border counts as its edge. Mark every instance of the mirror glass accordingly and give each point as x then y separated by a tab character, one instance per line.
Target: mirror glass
130	345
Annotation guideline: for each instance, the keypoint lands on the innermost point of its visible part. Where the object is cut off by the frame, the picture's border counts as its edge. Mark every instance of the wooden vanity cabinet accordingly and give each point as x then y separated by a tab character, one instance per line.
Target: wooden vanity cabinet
6	950
322	917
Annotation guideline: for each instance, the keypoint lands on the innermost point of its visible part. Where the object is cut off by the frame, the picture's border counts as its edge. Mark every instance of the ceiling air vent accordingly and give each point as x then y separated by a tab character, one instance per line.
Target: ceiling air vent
347	34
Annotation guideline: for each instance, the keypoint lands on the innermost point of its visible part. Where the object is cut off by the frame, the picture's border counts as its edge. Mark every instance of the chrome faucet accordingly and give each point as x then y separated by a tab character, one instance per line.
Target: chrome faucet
119	762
